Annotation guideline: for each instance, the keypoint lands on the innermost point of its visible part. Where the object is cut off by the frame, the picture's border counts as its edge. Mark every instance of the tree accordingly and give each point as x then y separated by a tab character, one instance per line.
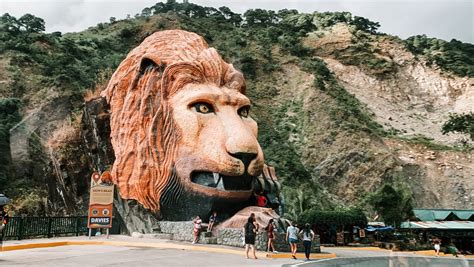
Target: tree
260	17
365	25
393	204
461	123
9	24
31	23
112	20
146	12
233	18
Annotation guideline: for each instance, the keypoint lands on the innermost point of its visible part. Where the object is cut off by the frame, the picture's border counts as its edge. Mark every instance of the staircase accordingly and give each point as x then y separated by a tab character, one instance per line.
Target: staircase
207	238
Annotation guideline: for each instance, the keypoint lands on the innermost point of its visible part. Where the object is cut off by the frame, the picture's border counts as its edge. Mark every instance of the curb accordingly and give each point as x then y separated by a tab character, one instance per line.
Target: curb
441	254
162	246
313	256
129	244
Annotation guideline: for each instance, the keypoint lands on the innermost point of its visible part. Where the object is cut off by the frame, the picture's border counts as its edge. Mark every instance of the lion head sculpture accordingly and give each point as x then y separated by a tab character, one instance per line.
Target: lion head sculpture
180	128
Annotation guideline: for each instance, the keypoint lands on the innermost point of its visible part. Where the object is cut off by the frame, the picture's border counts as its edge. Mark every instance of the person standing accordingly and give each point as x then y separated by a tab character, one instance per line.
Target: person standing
255	223
3	223
250	232
271	236
197	228
292	238
261	199
308	236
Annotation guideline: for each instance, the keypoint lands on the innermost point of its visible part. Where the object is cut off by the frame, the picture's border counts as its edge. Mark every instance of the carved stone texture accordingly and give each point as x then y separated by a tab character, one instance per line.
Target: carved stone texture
183	139
262	217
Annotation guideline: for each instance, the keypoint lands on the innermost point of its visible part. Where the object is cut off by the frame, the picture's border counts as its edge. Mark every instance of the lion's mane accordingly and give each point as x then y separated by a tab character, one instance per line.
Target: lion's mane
143	134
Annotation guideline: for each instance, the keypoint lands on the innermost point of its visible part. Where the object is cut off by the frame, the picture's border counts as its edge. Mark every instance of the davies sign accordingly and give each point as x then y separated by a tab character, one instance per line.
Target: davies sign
101	201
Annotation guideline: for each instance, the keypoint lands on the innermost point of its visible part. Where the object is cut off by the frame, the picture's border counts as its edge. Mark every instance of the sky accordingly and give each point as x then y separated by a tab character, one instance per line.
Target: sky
444	19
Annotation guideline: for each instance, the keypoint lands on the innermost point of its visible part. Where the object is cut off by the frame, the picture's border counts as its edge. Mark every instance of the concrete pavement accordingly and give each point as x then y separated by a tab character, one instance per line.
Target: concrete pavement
124	250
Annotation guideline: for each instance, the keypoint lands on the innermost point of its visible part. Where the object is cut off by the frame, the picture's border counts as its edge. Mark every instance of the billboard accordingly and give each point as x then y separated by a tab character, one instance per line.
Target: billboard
101	201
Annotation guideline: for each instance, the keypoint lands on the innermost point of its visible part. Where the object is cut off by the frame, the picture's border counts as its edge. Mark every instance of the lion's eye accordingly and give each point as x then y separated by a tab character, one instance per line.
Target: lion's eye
202	107
244	111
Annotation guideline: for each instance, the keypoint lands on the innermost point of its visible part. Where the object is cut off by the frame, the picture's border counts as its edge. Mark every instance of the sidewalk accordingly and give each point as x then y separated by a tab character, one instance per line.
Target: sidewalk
127	241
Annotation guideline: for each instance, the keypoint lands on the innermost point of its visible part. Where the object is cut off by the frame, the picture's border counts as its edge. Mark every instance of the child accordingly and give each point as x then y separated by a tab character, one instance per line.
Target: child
197	228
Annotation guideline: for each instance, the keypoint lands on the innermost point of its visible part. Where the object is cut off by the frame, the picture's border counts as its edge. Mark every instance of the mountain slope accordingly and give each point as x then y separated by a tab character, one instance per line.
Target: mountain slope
341	108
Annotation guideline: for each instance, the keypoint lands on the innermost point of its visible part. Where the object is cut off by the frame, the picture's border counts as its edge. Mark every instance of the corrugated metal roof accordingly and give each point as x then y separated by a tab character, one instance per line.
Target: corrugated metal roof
442	214
462	225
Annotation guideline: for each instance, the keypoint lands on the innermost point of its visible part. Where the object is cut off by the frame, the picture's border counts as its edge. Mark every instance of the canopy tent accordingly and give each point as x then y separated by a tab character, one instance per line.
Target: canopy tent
443	214
446	225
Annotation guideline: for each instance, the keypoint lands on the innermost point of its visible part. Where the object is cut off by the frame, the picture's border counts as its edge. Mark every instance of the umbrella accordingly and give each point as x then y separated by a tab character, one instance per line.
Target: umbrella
3	200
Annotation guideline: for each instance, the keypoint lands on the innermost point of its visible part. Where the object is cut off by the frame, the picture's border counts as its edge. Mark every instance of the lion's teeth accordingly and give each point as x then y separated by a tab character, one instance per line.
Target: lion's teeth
218	181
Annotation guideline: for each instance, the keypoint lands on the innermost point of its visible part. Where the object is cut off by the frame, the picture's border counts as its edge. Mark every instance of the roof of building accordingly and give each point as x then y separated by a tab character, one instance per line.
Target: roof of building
448	225
443	214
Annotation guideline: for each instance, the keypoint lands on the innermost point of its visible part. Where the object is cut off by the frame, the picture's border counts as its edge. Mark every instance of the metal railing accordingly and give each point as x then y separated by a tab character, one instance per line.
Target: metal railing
34	227
31	227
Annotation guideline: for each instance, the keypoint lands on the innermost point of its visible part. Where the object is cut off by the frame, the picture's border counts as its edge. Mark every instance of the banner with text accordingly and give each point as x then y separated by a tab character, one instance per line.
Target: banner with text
101	201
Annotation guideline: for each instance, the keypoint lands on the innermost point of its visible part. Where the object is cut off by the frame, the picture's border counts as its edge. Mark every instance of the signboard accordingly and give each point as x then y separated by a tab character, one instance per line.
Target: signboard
101	201
362	233
340	238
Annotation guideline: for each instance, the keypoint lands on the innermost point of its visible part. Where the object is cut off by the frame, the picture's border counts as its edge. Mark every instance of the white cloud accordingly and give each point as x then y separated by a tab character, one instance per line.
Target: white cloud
445	19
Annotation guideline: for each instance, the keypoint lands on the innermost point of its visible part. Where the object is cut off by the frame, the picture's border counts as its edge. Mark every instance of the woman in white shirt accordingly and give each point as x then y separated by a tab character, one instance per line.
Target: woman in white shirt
307	235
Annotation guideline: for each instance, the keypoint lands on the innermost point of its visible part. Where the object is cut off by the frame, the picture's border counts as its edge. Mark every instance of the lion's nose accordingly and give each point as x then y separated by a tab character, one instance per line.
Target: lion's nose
246	158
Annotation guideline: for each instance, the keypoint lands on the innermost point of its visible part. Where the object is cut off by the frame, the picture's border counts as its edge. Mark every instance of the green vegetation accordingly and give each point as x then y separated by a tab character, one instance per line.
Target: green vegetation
261	43
349	113
364	55
9	116
429	143
393	203
454	56
351	217
461	123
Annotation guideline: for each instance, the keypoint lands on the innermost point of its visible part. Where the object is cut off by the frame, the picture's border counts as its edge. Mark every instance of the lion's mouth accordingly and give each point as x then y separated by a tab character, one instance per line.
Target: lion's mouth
223	182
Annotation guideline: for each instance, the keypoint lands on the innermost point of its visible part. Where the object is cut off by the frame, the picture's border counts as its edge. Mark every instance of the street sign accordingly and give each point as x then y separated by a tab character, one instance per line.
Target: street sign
101	201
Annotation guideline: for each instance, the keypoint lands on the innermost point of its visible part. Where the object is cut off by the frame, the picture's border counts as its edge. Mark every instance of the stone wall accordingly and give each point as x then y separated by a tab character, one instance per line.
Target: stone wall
232	237
182	231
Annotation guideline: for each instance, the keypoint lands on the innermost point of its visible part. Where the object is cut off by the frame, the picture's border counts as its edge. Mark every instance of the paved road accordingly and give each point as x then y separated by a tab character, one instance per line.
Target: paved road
128	251
94	255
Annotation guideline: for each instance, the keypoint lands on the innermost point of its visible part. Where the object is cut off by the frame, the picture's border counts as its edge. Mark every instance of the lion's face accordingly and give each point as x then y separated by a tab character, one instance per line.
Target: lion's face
182	136
218	155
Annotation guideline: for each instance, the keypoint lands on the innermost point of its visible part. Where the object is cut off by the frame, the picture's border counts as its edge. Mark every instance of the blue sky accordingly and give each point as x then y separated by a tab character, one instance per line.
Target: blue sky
445	19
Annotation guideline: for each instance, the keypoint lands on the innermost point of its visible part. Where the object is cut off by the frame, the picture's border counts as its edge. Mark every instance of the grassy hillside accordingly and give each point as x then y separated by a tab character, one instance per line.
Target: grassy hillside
325	143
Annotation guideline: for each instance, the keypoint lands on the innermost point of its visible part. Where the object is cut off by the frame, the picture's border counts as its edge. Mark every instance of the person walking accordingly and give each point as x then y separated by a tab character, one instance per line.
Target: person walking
271	236
250	232
308	236
437	246
292	238
197	228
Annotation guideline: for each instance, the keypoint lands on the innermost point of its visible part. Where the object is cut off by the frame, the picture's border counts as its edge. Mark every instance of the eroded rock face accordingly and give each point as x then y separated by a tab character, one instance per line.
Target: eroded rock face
183	140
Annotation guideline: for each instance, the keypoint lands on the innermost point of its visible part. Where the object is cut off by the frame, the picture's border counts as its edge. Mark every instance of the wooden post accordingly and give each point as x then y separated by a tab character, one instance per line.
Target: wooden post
90	233
107	233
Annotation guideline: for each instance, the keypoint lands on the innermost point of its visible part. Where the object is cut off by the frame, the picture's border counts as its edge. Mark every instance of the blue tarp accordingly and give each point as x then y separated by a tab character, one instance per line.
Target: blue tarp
380	229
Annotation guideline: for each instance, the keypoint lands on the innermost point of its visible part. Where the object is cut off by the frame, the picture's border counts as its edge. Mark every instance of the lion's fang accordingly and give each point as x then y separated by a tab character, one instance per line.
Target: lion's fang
218	180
